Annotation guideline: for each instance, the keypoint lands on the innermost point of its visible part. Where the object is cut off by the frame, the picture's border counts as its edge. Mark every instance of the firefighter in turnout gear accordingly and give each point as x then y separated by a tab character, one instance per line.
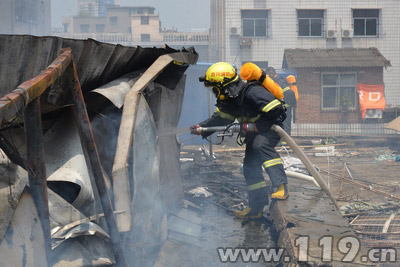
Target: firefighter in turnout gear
249	102
289	98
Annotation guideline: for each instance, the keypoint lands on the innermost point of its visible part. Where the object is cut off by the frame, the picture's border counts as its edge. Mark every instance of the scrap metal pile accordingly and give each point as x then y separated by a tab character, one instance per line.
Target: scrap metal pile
85	179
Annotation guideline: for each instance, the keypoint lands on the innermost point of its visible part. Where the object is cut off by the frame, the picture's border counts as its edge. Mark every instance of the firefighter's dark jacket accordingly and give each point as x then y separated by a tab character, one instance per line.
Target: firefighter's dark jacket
253	104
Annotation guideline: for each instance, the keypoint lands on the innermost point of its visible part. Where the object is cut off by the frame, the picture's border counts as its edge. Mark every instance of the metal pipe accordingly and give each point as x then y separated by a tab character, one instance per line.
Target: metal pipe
37	168
307	163
89	146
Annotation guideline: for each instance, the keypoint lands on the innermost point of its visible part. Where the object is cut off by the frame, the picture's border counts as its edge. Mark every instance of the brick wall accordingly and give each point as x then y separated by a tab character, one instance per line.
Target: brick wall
309	87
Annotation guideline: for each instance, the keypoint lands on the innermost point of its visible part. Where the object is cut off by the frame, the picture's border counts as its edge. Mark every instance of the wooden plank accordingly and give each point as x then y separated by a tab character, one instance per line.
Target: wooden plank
120	172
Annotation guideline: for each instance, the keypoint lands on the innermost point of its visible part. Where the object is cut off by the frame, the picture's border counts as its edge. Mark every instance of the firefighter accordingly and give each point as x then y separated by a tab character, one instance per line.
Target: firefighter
249	102
289	97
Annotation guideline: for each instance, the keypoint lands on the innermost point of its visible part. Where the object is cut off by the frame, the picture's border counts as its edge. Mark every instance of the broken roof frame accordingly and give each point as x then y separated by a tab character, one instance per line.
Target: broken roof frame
26	98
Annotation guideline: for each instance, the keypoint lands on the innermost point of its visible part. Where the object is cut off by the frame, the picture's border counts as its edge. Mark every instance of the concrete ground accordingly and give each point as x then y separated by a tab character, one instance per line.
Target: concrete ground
360	171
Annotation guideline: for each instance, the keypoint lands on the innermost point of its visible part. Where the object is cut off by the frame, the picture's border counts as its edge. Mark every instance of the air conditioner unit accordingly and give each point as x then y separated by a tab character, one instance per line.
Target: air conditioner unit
234	31
245	41
373	114
331	33
347	34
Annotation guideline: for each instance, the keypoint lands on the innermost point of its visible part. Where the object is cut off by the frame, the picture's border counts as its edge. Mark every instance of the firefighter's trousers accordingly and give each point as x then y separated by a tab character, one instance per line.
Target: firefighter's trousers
260	153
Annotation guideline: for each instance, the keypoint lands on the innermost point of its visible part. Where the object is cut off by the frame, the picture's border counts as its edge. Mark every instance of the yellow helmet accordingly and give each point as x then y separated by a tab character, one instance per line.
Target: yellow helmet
220	75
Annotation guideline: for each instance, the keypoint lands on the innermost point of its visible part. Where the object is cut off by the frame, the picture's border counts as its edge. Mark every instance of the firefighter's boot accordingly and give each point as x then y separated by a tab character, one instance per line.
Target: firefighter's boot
281	193
257	200
249	213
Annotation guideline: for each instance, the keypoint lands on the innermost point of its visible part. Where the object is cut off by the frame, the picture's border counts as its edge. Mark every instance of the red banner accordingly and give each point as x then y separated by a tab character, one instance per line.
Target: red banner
371	96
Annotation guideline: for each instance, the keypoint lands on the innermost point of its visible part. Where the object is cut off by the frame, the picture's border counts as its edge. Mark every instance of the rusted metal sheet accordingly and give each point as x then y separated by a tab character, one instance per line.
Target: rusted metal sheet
13	102
12	182
32	89
148	219
66	168
166	106
24	243
66	222
98	63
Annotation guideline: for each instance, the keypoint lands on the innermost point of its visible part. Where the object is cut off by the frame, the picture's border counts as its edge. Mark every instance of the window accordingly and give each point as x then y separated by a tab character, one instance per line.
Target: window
254	23
84	27
145	37
144	20
311	23
338	90
100	27
66	25
365	22
114	20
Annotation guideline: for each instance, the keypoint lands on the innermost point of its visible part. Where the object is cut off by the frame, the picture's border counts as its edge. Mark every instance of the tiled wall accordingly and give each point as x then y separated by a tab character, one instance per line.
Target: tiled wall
338	16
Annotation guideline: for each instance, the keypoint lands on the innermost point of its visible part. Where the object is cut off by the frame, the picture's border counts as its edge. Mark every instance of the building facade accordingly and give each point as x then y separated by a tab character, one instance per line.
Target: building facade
25	17
95	8
331	80
133	26
260	31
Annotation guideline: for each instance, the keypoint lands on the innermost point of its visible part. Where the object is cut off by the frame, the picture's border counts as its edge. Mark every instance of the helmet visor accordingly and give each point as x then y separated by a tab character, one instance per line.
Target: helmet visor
207	83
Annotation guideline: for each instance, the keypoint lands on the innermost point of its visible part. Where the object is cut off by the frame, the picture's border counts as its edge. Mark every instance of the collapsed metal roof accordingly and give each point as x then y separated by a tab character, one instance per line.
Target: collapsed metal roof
29	84
339	57
24	56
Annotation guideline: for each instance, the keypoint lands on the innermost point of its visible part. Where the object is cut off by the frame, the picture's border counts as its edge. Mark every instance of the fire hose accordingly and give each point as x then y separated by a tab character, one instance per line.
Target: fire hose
244	128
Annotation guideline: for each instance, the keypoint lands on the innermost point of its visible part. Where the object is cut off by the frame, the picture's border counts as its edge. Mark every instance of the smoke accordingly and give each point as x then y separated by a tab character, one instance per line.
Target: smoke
26	17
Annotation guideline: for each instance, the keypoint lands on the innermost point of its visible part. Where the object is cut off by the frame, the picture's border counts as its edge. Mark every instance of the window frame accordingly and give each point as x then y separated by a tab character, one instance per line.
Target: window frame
310	18
254	19
339	87
100	26
144	20
143	35
86	26
365	23
113	20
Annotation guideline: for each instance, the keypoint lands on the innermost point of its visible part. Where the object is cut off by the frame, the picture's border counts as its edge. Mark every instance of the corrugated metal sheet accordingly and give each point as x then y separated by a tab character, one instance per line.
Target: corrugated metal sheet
23	56
340	57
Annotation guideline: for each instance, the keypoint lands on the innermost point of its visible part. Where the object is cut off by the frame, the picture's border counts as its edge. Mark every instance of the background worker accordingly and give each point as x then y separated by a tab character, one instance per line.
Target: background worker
249	102
289	98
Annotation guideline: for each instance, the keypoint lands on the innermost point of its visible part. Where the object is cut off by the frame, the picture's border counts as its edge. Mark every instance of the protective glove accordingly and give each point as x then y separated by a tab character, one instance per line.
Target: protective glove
195	129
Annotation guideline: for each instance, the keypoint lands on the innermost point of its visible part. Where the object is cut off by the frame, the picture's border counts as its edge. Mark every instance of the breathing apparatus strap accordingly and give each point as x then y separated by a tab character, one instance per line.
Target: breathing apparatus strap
240	139
262	77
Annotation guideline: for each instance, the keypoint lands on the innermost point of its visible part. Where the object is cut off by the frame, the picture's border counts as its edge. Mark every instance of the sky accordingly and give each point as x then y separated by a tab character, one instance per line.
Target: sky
183	15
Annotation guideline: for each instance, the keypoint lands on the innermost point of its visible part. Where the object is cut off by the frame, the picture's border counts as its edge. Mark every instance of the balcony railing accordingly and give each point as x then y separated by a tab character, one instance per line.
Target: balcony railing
102	37
191	38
